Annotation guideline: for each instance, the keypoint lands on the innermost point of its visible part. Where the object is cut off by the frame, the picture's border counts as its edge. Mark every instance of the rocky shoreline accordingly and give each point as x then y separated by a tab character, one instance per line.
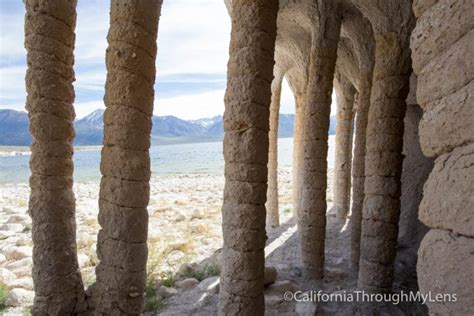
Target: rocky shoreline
184	233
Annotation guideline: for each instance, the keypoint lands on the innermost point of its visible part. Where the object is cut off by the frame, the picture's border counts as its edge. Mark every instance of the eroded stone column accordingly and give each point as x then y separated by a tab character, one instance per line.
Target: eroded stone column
383	162
416	169
125	162
314	143
246	125
358	170
443	58
297	157
273	218
342	166
50	38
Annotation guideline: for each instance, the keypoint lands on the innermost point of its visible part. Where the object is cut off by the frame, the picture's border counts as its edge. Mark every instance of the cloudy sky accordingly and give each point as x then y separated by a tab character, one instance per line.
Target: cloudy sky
193	43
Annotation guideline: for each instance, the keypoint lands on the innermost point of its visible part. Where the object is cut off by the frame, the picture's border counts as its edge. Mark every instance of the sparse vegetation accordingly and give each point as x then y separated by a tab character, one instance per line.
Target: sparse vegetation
198	275
152	299
3	296
91	221
212	270
167	278
22	203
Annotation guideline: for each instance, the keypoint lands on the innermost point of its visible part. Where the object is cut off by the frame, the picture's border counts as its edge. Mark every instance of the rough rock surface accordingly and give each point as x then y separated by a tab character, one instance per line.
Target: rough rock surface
49	41
125	163
312	163
344	129
443	62
246	124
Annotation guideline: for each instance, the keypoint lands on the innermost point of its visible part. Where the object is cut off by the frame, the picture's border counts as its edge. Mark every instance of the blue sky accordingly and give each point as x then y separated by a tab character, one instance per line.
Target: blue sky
193	43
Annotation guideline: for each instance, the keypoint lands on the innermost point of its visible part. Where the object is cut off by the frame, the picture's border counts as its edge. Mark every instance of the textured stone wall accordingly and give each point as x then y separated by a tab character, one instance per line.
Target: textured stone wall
416	168
443	58
49	41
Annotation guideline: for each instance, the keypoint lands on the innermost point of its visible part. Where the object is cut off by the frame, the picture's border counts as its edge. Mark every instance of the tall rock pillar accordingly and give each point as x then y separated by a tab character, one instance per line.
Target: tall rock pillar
383	162
125	163
344	128
312	167
358	170
272	191
50	38
246	144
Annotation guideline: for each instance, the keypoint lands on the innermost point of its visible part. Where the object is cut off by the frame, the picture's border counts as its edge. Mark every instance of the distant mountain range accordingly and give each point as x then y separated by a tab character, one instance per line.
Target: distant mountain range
166	129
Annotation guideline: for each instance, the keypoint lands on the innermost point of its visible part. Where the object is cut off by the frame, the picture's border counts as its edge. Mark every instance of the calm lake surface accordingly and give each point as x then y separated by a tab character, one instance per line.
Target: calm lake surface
169	159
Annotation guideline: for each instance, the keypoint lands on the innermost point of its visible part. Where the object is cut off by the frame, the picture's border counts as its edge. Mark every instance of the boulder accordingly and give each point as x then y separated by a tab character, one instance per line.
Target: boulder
166	292
16	253
4	234
16	228
24	283
270	275
187	283
281	286
210	285
6	276
18	219
19	297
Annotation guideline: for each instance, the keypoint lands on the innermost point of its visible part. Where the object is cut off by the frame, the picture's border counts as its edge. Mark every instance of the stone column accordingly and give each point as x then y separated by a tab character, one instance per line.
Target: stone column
296	187
416	169
125	162
273	218
246	125
312	168
383	162
342	167
50	38
443	58
358	170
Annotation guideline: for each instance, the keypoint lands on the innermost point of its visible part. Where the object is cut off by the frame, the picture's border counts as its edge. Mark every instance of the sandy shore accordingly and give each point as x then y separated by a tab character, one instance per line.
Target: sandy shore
184	226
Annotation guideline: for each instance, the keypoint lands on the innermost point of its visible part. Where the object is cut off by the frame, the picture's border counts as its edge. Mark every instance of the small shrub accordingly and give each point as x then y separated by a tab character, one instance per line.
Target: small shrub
3	295
152	299
167	278
213	270
198	275
22	203
287	210
92	222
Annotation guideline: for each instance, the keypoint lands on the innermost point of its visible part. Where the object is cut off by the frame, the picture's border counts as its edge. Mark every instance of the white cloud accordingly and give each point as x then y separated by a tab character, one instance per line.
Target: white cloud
12	83
192	106
12	35
193	37
91	33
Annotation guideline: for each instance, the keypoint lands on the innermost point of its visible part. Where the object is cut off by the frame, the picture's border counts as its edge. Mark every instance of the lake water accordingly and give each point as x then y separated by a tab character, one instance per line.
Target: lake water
169	159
